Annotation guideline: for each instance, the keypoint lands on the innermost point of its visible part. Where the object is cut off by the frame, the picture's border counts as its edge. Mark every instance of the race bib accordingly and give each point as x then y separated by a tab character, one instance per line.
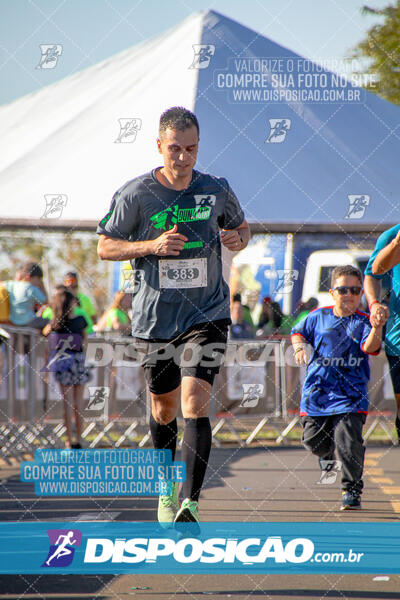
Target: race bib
189	273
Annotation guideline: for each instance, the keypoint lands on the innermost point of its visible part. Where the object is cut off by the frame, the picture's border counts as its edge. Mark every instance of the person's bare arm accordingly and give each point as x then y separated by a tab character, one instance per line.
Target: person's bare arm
169	243
373	342
236	239
379	312
388	257
84	341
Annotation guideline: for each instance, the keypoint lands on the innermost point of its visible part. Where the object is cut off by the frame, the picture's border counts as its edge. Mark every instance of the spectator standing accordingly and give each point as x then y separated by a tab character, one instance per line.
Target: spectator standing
25	293
239	328
266	313
71	283
306	308
78	311
67	359
116	316
247	318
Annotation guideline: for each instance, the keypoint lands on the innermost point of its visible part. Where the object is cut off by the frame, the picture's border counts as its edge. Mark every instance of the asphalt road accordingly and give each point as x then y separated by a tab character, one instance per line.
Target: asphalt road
257	484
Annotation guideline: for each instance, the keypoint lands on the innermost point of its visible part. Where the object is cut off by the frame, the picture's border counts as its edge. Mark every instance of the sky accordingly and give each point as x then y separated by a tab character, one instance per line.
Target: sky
93	30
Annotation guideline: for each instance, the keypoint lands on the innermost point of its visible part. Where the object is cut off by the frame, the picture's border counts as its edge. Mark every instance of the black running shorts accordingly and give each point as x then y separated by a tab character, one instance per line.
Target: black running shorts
394	370
197	352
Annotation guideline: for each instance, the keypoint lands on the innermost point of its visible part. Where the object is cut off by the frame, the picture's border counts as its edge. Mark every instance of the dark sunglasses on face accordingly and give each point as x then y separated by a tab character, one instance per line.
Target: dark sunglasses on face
344	289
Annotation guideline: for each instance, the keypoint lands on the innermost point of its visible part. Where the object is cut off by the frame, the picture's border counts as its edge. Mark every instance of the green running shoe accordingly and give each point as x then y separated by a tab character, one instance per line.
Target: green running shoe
188	514
168	506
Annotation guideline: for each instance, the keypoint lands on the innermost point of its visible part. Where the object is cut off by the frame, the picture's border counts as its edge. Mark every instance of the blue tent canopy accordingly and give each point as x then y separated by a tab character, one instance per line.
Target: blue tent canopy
329	162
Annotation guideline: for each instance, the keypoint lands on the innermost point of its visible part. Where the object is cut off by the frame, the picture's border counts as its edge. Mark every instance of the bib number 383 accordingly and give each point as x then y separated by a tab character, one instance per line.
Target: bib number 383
177	273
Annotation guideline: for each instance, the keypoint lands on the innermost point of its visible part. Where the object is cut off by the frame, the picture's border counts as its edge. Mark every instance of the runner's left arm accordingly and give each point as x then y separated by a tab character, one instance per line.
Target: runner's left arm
235	232
236	239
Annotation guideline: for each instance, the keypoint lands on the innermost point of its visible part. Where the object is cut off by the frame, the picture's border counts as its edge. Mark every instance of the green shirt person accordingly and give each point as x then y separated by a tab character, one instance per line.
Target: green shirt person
115	318
78	311
71	283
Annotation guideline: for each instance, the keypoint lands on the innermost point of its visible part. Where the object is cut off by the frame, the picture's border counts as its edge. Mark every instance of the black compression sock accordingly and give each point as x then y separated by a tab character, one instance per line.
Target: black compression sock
196	448
164	436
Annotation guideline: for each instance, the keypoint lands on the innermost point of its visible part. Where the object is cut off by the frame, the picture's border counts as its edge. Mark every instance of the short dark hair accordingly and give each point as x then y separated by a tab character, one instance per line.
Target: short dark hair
177	118
345	270
32	269
71	275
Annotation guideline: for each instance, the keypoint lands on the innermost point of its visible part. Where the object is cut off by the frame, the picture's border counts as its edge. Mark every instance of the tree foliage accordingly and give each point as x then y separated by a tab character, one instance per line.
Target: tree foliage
381	48
57	253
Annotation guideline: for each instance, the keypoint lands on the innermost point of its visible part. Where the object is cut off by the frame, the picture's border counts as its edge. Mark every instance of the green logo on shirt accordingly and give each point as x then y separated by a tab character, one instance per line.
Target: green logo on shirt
169	215
106	218
174	214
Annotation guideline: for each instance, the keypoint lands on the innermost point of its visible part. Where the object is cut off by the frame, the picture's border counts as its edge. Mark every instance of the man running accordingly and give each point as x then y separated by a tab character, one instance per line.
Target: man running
170	223
386	259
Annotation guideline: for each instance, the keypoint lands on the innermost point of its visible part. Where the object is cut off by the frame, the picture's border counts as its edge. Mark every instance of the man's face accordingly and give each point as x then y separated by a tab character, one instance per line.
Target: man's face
179	150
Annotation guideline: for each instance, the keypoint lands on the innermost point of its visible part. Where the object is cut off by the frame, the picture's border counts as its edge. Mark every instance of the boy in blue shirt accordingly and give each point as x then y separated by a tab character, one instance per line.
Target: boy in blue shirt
334	401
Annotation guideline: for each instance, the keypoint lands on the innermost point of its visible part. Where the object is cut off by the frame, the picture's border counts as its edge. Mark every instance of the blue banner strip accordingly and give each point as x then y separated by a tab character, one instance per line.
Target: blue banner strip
129	547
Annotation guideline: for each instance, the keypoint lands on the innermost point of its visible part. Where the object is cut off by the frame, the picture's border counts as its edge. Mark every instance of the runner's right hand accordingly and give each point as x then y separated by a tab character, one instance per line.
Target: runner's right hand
169	243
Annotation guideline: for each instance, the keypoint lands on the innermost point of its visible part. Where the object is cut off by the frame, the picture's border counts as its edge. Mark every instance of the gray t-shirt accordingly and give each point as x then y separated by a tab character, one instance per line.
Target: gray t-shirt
173	293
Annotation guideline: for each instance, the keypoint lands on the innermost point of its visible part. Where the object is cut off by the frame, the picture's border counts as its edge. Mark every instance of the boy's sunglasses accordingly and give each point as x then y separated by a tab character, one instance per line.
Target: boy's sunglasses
344	289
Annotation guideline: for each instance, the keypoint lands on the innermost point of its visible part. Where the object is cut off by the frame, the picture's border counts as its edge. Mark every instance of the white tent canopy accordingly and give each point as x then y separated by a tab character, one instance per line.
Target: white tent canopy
61	140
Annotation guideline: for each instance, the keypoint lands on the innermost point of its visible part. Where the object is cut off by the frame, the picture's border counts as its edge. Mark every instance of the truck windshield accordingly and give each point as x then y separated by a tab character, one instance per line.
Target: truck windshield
325	278
326	272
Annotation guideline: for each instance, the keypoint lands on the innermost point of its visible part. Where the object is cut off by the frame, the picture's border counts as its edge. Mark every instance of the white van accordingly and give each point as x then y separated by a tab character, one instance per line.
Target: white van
320	264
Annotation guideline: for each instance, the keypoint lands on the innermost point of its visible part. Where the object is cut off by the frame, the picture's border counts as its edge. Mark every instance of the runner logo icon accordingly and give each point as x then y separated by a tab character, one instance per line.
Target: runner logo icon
285	280
169	215
278	130
62	547
202	55
128	130
252	392
205	199
54	206
50	55
357	206
98	398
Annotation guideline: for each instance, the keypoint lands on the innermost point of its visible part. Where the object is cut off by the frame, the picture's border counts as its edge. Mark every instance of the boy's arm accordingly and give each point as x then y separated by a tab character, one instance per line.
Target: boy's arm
388	257
299	347
372	344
